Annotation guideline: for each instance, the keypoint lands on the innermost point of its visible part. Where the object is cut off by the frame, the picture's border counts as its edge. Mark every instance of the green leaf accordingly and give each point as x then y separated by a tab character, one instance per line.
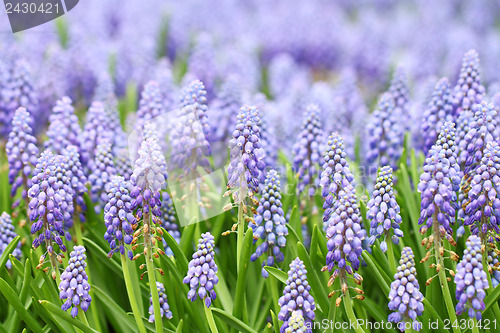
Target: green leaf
277	273
180	257
66	317
8	250
295	222
233	321
14	301
242	274
117	312
276	323
492	298
377	273
179	327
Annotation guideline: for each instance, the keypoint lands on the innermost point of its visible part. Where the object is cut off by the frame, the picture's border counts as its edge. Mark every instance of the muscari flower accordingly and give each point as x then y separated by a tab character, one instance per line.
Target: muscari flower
439	182
270	224
468	90
7	234
150	104
296	324
308	150
401	94
336	175
74	286
202	271
169	220
345	234
296	299
383	210
102	168
21	152
195	95
118	216
63	178
483	203
226	108
78	180
64	129
405	298
45	204
492	260
385	133
464	120
201	62
247	165
471	280
163	75
438	111
164	307
122	163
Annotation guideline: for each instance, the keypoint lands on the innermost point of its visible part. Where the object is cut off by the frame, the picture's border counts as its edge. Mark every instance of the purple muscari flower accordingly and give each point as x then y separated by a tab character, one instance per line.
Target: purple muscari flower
105	90
471	280
150	105
464	121
164	307
438	111
296	297
7	234
336	175
118	216
385	134
345	233
493	261
296	323
96	130
405	298
63	178
21	152
226	108
307	151
46	204
401	94
383	210
74	286
440	181
270	224
163	75
201	62
122	163
468	90
482	130
101	170
64	129
169	220
195	95
483	205
268	139
18	90
246	153
202	271
77	180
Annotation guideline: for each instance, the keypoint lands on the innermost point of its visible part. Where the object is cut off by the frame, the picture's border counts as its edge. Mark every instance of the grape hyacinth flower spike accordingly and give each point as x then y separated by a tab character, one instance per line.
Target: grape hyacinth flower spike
405	298
296	298
78	182
102	168
46	210
202	271
21	152
471	280
7	234
269	224
165	308
383	211
169	220
64	128
74	285
296	324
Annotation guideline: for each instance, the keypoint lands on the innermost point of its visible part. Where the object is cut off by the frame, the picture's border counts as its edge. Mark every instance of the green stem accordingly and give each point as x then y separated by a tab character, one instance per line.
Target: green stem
210	319
350	312
151	273
475	329
495	307
131	295
83	317
390	256
241	233
331	314
274	292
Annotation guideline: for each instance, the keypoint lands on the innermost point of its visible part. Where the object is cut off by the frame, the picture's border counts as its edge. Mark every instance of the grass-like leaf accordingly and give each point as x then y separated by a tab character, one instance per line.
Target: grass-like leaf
233	321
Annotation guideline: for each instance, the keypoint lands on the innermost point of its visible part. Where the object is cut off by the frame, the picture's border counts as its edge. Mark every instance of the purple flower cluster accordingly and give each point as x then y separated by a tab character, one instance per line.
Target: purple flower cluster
74	285
150	105
439	182
77	179
7	234
401	94
96	130
345	233
195	95
296	298
63	179
164	307
102	168
169	220
483	205
464	121
226	108
383	210
118	216
245	168
202	271
21	151
269	223
308	150
64	129
438	111
296	324
336	175
385	134
468	90
471	280
46	204
405	298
